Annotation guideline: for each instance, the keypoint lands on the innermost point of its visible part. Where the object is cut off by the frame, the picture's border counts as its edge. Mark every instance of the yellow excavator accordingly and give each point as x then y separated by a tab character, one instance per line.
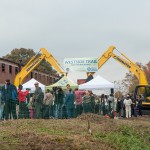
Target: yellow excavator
34	62
143	87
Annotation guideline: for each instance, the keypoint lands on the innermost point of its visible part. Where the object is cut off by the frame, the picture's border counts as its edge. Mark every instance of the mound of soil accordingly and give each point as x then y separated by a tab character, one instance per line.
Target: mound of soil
94	118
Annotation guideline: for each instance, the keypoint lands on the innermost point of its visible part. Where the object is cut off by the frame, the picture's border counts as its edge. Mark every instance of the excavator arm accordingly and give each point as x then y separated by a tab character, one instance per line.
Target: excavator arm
126	62
50	59
34	62
143	87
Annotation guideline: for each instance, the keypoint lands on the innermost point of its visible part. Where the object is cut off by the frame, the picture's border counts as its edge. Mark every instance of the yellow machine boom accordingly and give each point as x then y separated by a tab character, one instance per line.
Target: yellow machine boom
34	62
126	62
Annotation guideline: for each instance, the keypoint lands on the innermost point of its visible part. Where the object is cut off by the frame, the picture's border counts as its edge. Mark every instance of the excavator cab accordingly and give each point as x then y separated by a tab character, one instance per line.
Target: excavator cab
143	90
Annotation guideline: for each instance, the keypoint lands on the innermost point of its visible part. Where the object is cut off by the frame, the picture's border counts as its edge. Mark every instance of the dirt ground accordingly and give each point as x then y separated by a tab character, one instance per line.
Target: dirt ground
73	134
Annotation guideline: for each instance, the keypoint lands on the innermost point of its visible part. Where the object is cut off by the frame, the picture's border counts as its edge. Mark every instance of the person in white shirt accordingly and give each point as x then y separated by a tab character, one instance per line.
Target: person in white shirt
127	103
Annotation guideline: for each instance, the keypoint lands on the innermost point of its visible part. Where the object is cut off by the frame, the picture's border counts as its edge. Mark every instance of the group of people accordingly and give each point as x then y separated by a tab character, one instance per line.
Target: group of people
127	106
11	97
61	104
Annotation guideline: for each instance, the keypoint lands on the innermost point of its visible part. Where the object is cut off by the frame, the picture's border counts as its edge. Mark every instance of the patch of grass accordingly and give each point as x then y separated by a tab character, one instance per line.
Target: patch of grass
51	131
72	134
124	139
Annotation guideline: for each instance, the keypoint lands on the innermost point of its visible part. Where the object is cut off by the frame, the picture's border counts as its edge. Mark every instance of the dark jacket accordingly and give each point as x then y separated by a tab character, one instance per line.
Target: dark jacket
69	100
9	93
140	102
38	95
59	97
118	106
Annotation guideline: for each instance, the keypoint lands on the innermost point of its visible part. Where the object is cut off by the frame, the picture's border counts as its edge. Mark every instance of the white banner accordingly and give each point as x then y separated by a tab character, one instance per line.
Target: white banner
81	64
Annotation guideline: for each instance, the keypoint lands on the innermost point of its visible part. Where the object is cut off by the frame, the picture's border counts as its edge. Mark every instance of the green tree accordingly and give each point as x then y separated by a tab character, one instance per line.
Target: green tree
23	56
20	54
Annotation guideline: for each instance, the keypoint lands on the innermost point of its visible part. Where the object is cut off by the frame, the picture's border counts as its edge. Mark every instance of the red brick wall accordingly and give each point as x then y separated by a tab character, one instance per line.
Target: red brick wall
6	75
45	79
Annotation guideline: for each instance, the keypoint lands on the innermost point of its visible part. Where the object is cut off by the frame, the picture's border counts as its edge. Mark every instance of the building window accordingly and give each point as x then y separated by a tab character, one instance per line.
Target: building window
35	75
10	69
44	78
50	80
16	70
3	67
31	74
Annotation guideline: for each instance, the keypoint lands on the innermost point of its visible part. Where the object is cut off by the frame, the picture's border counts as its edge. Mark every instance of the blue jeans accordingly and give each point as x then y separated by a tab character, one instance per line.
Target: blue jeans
70	112
58	111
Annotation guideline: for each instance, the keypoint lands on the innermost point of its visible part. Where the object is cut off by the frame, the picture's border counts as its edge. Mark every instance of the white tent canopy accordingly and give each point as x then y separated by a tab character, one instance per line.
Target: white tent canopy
30	84
98	83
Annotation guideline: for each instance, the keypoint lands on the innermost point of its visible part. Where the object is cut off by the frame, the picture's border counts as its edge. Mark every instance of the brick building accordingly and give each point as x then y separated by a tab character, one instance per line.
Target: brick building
9	69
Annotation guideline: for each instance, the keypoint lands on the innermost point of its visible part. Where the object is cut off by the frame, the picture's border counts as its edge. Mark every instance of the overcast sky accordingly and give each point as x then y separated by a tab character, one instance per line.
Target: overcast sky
78	28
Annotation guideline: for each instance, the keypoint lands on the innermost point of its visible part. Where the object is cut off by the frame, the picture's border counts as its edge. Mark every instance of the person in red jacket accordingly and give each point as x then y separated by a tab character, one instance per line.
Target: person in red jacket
22	101
78	101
